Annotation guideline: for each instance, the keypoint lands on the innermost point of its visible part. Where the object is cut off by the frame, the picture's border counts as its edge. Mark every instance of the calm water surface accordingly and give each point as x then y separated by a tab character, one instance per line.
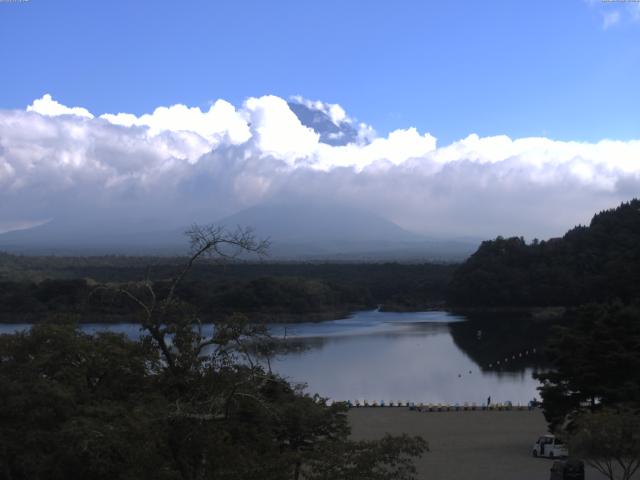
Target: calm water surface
396	357
384	356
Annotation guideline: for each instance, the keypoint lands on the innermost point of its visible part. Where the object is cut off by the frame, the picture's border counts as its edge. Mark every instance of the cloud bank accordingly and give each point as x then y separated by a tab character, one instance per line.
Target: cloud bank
180	164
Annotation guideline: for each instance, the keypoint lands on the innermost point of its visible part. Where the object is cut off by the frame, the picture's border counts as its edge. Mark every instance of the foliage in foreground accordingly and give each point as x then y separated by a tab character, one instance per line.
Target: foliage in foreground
176	404
592	397
609	441
596	363
104	407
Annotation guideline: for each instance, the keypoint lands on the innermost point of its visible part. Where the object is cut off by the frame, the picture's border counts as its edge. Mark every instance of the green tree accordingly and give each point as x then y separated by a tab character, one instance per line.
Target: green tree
608	440
176	404
77	403
597	263
596	363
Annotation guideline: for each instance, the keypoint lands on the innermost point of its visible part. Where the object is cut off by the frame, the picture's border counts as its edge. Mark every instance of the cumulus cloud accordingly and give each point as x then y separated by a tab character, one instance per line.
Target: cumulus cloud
277	130
180	164
221	123
49	107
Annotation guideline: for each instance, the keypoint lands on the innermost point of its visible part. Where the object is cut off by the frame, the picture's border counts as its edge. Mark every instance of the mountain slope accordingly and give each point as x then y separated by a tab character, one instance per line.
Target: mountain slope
70	238
300	231
330	133
319	222
341	233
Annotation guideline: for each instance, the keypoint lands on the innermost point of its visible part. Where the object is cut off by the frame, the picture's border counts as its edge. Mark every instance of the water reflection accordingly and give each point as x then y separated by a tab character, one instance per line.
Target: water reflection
431	357
424	357
365	323
501	342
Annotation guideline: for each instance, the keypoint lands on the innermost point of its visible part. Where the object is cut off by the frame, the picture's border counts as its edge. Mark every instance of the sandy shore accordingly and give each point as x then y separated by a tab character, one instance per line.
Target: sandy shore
473	445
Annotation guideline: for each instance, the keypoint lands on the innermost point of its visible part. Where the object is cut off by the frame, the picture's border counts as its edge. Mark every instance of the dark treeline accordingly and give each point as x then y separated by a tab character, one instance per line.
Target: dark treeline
597	361
594	263
263	291
593	352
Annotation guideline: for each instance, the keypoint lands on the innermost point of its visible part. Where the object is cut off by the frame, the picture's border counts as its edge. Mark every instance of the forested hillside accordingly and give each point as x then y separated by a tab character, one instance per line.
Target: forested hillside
592	263
35	288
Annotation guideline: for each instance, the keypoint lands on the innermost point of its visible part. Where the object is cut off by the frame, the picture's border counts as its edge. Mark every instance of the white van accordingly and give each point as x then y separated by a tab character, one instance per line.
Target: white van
549	446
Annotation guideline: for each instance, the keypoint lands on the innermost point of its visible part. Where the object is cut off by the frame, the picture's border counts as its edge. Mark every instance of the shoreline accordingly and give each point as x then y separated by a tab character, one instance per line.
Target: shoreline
112	319
533	313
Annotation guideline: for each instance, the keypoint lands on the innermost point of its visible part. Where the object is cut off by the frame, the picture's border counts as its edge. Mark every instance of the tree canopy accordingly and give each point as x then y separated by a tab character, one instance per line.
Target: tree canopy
176	404
609	441
588	264
596	361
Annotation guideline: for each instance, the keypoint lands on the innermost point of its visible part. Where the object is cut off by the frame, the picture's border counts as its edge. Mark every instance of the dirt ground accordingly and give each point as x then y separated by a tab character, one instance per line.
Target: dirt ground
471	445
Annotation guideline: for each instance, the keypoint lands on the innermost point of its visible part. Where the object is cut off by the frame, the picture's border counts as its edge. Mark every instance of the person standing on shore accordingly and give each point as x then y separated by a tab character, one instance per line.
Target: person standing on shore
489	400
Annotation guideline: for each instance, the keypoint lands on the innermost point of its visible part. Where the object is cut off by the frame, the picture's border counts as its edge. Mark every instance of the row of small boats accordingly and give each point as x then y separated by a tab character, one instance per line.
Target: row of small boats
440	407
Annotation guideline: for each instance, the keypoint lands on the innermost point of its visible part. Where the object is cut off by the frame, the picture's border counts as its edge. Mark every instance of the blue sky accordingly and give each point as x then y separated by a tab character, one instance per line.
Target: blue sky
538	68
548	88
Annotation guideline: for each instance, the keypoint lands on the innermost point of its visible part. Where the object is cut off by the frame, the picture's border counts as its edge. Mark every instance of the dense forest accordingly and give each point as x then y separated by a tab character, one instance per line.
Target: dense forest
35	288
594	263
590	394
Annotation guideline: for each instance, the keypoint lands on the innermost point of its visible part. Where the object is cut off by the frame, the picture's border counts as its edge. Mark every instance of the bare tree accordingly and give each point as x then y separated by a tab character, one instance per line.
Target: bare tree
175	327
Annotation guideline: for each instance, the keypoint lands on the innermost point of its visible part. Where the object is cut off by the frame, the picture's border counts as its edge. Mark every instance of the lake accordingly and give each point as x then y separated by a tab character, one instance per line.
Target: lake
430	357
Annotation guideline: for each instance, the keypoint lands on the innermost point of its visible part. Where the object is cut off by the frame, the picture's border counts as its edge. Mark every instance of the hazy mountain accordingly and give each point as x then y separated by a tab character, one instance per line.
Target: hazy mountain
342	233
65	237
319	223
297	232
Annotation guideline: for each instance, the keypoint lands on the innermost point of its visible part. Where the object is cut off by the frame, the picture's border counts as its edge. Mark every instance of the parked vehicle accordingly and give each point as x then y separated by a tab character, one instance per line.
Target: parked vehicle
549	446
567	470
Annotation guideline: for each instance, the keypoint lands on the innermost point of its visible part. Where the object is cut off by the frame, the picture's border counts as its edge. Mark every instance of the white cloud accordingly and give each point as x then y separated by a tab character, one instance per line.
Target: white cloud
398	147
220	121
180	164
278	131
47	106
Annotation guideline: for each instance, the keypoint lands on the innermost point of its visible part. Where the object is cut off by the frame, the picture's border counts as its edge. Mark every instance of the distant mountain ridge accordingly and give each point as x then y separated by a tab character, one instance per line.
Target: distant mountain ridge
324	222
339	232
594	263
66	237
298	231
